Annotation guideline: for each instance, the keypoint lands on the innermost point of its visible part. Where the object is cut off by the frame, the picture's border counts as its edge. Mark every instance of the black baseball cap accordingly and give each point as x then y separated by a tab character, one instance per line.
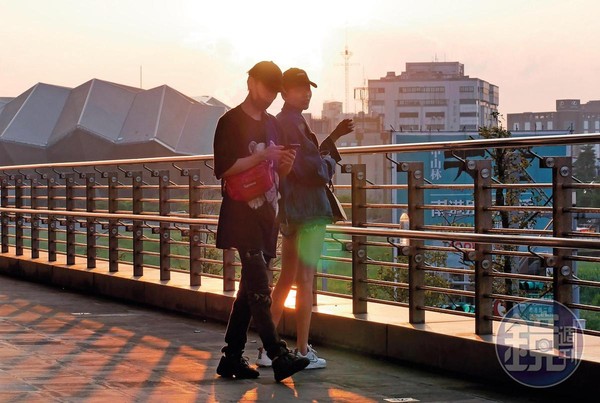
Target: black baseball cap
268	73
294	77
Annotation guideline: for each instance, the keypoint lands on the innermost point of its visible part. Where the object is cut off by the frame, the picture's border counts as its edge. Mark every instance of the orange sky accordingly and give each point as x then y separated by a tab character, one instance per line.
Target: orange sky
536	51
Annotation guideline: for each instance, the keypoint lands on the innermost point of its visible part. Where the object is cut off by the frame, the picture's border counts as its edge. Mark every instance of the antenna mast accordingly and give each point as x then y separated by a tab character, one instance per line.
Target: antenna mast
347	55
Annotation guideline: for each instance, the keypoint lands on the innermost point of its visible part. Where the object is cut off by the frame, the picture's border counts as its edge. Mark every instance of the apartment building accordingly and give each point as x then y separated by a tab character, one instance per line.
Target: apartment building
433	96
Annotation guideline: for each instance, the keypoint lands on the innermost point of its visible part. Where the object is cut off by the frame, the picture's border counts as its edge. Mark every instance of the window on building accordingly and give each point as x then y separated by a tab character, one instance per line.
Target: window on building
409	102
586	125
421	89
539	126
467	88
550	125
435	101
527	126
465	101
515	126
435	114
468	114
376	90
409	114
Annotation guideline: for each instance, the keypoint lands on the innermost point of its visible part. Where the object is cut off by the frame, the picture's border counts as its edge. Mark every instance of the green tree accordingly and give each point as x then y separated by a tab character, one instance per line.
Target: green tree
510	166
399	275
585	170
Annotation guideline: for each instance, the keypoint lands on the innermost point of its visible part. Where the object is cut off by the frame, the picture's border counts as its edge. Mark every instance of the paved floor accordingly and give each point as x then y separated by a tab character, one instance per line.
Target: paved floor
58	346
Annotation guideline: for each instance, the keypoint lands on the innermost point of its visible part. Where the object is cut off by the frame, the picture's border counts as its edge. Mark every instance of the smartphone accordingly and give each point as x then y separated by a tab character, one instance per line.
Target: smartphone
293	146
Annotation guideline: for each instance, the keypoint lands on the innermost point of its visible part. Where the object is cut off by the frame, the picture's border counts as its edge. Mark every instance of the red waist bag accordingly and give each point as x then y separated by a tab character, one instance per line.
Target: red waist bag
251	183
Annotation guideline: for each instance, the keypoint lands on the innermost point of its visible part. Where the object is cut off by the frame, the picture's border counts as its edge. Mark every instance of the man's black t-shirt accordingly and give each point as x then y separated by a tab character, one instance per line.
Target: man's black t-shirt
240	225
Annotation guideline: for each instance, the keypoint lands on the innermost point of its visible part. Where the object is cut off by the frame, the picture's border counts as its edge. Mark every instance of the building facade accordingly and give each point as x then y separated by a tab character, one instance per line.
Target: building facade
570	114
433	96
368	130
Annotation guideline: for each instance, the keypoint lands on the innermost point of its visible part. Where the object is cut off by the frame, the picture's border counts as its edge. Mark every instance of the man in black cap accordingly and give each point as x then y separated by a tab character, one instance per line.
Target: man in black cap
245	137
305	208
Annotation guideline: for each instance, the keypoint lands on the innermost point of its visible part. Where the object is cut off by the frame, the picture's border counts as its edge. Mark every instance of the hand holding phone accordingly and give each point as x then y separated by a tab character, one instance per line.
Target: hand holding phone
293	146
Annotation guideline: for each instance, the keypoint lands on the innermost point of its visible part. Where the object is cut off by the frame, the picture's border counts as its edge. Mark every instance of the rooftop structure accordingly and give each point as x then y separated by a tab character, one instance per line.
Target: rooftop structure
103	120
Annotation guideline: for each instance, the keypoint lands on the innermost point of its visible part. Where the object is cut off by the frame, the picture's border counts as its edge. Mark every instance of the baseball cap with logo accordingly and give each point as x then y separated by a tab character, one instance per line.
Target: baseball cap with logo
294	77
268	73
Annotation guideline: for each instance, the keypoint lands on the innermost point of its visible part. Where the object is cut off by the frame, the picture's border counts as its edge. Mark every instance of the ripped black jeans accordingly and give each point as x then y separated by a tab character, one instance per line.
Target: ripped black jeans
253	301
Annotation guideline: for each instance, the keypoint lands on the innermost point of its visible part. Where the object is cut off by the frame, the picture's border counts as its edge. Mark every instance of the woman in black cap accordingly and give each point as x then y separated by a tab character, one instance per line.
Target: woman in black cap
305	208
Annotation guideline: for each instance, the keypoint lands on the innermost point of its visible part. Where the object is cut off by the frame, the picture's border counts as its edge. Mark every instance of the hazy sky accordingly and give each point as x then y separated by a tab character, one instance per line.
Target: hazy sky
536	51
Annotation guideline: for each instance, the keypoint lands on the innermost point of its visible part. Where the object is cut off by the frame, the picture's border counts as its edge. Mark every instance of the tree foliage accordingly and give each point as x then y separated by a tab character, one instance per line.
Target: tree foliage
585	170
400	275
510	166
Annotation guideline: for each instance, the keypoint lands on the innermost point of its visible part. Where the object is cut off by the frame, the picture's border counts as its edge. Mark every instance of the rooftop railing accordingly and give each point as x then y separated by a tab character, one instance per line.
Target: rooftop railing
161	214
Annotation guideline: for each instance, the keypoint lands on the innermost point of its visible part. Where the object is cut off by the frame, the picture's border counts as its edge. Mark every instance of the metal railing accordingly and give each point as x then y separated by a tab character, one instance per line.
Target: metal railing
161	213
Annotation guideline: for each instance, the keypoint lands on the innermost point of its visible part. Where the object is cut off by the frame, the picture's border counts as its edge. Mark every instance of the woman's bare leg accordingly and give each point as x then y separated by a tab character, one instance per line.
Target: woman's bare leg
309	246
289	266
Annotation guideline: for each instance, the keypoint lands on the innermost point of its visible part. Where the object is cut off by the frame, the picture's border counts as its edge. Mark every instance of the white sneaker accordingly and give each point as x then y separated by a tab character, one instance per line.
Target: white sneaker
263	360
315	361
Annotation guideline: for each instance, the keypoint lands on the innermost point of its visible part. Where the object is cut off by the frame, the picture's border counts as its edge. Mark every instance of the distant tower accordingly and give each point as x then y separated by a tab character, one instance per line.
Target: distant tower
346	54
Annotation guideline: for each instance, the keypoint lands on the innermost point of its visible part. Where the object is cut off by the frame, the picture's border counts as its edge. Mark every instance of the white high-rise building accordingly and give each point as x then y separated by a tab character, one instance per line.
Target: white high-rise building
433	96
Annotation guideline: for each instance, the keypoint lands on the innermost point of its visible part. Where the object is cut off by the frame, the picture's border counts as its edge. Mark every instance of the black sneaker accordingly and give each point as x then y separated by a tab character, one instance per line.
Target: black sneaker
236	367
288	364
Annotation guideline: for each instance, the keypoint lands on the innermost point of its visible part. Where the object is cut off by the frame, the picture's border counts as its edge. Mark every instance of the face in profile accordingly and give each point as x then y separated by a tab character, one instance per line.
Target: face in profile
298	96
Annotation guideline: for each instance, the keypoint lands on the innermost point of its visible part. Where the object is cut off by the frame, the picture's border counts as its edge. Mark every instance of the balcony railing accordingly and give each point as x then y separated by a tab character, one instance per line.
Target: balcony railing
161	214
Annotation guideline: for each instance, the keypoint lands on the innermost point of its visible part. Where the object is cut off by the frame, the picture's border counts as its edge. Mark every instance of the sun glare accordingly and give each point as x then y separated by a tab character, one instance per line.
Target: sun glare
269	30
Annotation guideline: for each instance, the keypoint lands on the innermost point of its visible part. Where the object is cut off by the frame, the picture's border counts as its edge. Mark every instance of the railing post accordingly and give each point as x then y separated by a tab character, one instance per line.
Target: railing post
138	229
562	171
164	232
562	221
19	216
228	270
70	206
52	222
4	216
35	220
360	289
113	225
195	237
416	274
90	206
482	195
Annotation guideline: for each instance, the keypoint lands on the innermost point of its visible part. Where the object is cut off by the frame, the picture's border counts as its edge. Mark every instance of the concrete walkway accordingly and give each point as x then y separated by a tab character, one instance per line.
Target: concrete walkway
59	346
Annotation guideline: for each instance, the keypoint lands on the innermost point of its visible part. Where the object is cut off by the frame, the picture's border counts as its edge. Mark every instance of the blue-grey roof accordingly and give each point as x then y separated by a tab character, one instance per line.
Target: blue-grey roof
102	120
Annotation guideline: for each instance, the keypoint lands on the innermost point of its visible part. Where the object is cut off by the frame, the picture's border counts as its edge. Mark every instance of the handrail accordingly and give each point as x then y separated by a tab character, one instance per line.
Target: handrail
65	202
511	142
554	242
476	144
